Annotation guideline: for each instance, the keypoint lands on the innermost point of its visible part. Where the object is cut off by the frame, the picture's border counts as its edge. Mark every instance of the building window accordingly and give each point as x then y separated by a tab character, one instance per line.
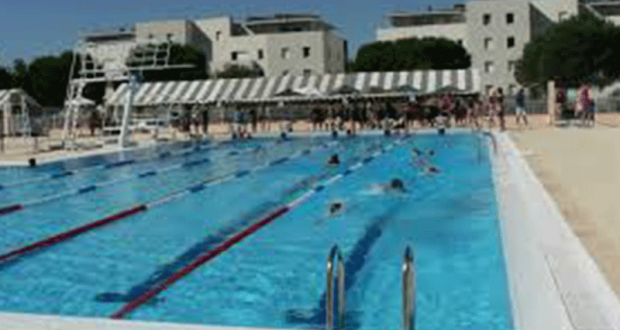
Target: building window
488	67
460	42
486	19
512	89
510	18
488	43
512	65
510	42
218	34
234	56
488	89
151	36
307	72
285	72
285	53
562	15
169	36
260	54
306	52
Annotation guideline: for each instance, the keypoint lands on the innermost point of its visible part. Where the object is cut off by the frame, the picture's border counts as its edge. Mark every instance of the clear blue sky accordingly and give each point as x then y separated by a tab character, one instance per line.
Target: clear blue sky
31	28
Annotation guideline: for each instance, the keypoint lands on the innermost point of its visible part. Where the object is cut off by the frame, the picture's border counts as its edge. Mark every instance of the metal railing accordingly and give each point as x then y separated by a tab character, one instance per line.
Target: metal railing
409	290
329	310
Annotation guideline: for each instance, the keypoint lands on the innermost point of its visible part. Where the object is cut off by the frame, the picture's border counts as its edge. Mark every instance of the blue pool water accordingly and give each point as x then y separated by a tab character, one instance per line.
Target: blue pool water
275	277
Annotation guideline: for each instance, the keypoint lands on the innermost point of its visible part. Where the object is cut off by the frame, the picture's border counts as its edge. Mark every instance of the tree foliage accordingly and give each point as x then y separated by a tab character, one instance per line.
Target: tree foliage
240	71
411	54
46	78
181	55
575	50
6	79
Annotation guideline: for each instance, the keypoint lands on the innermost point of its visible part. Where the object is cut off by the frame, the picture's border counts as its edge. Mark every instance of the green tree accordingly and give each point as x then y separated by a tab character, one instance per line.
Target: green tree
581	48
48	78
6	79
411	54
21	78
240	71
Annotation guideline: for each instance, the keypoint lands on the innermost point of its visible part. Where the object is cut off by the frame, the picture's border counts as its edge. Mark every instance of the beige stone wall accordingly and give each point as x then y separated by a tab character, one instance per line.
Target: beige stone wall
499	31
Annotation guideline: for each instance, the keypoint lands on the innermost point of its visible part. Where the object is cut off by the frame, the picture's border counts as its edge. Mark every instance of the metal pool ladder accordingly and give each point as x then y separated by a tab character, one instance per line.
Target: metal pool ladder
409	290
329	310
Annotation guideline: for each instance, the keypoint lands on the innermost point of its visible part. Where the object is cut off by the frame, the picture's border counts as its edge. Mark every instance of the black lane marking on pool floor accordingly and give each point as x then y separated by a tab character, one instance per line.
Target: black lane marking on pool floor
214	240
353	264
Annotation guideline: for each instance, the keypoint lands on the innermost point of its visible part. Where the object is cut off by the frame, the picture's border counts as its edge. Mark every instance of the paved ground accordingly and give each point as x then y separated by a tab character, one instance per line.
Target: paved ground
579	168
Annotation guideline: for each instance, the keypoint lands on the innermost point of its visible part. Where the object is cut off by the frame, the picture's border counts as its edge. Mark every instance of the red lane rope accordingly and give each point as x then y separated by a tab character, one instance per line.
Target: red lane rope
72	233
145	297
11	209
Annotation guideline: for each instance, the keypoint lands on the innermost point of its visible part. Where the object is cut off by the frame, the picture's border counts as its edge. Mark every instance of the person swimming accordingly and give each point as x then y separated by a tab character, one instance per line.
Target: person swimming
333	160
397	185
335	208
432	170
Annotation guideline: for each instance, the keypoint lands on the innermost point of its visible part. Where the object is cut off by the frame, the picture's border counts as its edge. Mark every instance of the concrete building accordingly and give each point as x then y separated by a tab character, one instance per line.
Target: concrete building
447	23
494	32
278	45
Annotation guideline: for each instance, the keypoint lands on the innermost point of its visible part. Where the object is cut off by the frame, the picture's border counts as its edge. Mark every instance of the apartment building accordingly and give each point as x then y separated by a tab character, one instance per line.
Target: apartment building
280	44
494	32
277	45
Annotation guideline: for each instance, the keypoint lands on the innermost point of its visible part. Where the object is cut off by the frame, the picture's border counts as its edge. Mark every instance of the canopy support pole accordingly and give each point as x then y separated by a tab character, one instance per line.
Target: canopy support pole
123	139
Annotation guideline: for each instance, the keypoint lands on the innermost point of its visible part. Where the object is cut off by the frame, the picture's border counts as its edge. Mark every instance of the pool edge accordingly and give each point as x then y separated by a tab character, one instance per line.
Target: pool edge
553	282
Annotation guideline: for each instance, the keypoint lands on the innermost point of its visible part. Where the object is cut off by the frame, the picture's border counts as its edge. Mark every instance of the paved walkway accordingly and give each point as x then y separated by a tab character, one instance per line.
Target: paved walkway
580	169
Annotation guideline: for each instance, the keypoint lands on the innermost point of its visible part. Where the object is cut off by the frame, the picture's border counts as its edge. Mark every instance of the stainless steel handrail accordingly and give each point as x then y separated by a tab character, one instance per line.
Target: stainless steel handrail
329	311
409	290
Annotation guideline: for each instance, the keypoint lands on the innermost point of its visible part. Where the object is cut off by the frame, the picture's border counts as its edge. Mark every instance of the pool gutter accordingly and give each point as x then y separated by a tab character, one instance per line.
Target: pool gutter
554	283
10	321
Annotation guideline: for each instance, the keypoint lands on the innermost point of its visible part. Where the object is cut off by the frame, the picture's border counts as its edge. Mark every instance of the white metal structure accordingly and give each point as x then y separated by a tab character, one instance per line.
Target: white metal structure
154	55
13	124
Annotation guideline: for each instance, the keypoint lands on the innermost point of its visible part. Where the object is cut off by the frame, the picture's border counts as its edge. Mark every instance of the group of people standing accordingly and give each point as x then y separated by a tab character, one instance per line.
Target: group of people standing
431	110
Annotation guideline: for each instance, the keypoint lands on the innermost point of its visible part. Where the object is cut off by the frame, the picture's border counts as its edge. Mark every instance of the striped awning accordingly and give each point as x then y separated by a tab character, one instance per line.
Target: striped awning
266	88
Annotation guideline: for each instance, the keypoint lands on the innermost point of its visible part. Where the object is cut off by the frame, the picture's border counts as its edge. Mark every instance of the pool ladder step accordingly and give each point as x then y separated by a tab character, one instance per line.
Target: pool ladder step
408	290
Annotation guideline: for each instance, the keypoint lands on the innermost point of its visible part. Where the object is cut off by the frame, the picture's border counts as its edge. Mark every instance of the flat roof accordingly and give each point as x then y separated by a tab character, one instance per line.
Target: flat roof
254	21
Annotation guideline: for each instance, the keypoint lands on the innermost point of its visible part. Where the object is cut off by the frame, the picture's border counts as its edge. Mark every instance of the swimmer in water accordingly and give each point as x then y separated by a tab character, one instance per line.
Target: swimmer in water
335	208
432	170
395	186
333	160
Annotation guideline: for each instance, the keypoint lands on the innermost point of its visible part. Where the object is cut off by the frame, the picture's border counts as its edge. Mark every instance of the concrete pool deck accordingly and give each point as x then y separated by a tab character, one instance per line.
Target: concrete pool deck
554	282
581	171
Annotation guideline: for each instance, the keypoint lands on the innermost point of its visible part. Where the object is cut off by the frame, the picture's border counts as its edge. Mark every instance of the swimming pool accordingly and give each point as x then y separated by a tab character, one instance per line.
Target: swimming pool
275	277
